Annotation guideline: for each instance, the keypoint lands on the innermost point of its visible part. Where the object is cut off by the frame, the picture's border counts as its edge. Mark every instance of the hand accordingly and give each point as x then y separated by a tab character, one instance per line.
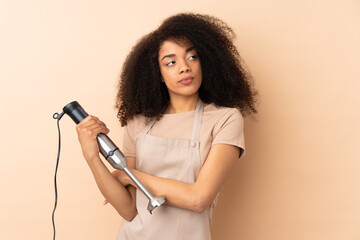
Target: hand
87	131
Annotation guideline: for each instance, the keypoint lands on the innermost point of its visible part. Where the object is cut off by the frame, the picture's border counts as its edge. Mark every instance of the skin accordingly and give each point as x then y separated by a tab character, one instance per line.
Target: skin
120	196
177	61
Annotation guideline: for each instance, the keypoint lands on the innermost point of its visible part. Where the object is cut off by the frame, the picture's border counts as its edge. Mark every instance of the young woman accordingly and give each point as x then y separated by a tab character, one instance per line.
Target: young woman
182	94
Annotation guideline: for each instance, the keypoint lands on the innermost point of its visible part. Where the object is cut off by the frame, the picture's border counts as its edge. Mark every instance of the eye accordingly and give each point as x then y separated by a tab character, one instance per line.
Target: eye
193	57
170	63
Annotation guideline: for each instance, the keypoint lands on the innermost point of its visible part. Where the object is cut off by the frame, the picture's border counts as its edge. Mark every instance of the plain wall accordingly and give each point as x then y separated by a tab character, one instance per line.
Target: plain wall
300	176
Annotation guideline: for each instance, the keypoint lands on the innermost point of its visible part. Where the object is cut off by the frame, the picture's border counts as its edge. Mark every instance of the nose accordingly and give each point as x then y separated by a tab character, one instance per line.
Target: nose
184	67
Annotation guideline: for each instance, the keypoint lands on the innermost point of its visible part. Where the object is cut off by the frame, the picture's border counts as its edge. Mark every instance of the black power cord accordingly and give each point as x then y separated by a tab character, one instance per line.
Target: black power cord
58	117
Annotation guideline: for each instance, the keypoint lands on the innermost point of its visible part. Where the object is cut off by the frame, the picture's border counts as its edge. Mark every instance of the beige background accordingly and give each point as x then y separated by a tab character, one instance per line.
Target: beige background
300	177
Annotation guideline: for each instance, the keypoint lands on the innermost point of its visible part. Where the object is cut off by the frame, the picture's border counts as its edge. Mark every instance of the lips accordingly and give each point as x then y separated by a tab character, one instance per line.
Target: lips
186	81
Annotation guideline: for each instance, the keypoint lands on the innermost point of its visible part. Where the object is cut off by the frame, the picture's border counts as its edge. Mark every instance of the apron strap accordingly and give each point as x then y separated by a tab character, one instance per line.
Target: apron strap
146	129
197	124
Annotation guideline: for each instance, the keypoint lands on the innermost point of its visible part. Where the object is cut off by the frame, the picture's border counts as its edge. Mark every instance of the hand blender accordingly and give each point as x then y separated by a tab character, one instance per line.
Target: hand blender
112	153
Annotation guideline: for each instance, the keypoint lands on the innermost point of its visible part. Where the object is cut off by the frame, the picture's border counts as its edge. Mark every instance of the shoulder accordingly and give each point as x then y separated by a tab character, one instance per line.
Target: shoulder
134	126
138	121
225	122
227	126
220	115
131	130
212	108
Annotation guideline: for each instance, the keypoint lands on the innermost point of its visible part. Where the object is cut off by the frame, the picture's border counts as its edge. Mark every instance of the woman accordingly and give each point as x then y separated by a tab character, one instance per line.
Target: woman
181	94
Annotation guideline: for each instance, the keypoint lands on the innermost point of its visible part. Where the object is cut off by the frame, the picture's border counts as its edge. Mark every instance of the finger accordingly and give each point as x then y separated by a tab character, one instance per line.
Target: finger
92	131
98	126
85	120
88	120
105	202
90	124
95	130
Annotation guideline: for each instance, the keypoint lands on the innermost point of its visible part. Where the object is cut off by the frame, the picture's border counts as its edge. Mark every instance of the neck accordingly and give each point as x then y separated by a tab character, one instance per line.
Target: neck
181	104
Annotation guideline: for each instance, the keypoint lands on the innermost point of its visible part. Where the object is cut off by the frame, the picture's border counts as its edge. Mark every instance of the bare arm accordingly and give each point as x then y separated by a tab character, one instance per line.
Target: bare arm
198	196
120	197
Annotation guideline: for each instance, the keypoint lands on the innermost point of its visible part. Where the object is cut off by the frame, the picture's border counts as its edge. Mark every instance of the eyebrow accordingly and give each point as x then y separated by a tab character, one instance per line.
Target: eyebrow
173	55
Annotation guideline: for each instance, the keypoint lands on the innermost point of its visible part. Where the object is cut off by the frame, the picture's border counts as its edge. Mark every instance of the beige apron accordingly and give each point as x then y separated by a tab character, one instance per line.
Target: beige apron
177	159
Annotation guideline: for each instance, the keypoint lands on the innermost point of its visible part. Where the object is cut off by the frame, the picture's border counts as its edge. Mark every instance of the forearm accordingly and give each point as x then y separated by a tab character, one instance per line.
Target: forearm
176	193
120	197
200	195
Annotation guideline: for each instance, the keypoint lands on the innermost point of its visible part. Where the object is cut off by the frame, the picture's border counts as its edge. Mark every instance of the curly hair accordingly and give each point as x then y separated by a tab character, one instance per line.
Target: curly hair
225	81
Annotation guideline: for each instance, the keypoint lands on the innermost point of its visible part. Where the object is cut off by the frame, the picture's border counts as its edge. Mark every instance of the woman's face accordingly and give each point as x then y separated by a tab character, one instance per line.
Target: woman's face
180	68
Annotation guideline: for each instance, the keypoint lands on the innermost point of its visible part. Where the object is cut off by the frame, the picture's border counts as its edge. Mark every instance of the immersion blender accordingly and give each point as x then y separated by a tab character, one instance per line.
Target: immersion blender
112	153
